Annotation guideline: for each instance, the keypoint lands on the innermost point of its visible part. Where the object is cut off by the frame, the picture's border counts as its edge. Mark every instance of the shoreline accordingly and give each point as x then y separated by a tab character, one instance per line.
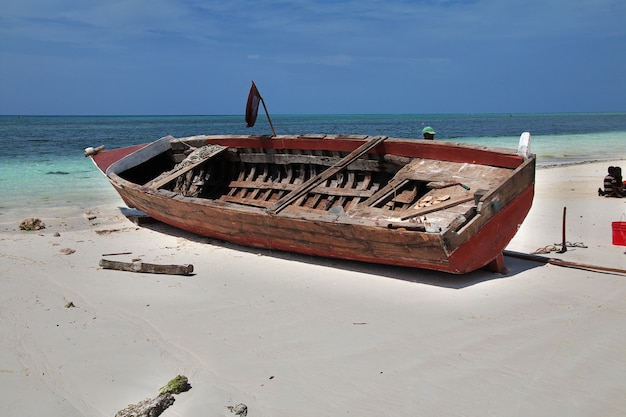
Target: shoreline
294	335
584	162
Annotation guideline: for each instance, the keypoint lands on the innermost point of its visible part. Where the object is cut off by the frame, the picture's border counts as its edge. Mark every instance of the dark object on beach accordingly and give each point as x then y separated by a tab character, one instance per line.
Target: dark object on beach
141	219
613	183
564	244
143	267
107	231
32	224
335	195
239	409
154	407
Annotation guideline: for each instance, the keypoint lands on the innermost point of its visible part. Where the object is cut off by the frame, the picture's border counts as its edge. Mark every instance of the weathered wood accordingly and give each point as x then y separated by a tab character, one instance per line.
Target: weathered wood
279	186
140	154
246	201
406	196
438	185
392	187
437	207
288	159
435	171
492	203
508	187
406	226
326	174
497	265
160	182
143	267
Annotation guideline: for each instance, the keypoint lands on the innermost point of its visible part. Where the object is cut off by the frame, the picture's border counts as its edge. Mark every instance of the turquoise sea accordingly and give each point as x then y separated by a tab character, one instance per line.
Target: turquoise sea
42	162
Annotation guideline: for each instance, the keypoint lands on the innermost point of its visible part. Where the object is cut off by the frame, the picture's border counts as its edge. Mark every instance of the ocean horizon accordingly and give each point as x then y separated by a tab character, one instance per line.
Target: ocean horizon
42	162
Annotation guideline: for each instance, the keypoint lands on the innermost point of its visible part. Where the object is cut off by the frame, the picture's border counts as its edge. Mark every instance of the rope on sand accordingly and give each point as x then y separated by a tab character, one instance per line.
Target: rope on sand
555	247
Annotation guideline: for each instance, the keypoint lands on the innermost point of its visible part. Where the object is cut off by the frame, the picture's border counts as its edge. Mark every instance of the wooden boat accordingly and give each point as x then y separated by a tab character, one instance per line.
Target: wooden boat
426	204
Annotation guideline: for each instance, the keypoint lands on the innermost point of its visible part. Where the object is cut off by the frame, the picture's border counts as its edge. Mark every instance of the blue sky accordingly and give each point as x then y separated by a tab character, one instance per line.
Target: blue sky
176	57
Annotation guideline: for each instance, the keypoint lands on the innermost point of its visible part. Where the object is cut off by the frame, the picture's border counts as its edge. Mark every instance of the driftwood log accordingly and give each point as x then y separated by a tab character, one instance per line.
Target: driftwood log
153	407
143	267
150	407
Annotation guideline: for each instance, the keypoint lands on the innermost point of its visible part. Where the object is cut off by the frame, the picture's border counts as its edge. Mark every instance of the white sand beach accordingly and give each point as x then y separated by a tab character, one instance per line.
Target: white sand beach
291	335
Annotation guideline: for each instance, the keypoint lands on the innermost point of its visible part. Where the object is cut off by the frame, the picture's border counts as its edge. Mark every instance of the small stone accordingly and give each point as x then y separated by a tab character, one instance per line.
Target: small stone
239	409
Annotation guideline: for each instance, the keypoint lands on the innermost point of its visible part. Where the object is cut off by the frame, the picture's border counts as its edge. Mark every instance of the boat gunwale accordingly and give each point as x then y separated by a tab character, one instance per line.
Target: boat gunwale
493	156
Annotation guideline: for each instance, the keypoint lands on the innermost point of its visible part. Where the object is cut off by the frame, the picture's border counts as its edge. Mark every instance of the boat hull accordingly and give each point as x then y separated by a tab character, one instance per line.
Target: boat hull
457	251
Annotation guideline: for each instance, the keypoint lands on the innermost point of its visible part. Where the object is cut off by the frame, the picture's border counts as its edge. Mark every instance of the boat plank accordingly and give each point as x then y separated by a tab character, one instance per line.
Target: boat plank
320	189
160	182
438	207
246	201
391	187
444	171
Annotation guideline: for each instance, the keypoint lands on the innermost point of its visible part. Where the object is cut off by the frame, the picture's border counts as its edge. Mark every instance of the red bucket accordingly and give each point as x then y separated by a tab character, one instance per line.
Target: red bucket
619	233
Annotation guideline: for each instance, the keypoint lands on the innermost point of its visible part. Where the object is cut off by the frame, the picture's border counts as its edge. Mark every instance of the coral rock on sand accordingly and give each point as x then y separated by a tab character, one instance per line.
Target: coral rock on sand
239	409
32	224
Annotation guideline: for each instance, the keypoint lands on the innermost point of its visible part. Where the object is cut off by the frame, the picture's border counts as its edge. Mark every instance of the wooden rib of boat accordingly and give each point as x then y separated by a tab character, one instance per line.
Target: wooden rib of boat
427	204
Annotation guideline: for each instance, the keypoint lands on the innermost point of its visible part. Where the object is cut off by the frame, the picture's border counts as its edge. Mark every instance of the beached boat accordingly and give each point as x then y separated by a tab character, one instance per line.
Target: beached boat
418	203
